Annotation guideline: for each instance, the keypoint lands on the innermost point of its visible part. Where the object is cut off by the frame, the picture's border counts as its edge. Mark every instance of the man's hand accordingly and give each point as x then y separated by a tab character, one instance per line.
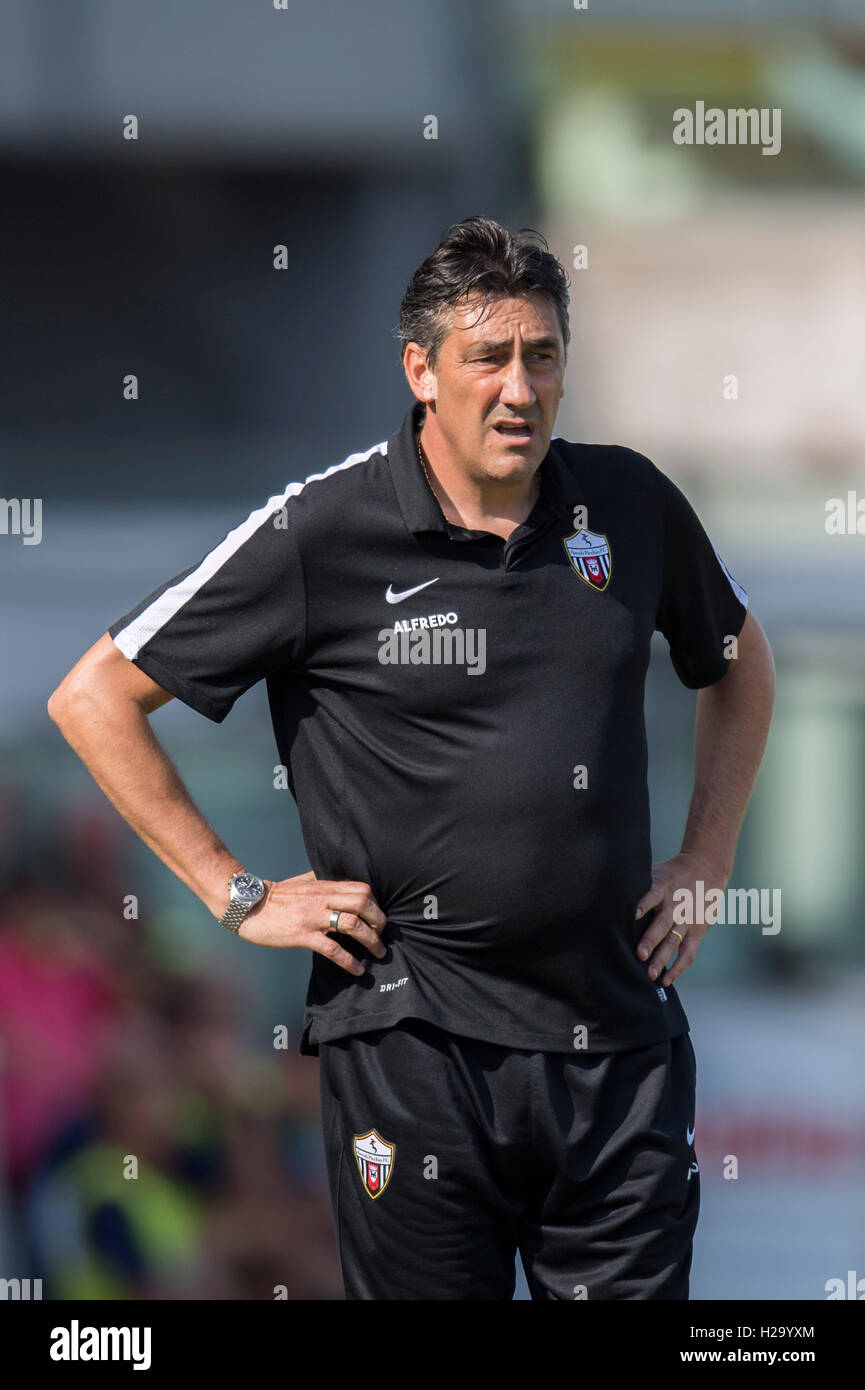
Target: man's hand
658	944
296	912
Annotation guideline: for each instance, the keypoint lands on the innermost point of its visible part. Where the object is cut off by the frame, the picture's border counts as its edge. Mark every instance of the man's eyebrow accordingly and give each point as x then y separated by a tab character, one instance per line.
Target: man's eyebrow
495	345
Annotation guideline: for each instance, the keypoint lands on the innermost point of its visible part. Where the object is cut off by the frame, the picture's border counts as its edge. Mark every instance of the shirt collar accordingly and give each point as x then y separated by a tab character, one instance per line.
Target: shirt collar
421	511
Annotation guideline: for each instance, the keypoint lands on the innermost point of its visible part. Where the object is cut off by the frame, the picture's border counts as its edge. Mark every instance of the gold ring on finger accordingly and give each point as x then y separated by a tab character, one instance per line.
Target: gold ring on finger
673	932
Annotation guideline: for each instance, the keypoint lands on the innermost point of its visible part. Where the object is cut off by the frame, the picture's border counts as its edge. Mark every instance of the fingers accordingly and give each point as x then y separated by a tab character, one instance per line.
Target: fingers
653	898
663	938
350	924
655	933
686	956
666	935
329	947
356	898
665	951
359	916
684	949
659	943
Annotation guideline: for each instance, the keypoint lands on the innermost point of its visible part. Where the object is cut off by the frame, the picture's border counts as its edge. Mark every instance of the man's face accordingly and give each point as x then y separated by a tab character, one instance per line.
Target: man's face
496	386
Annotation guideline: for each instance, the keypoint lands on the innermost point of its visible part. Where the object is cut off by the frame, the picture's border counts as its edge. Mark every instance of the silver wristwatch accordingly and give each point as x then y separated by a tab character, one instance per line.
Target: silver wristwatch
244	891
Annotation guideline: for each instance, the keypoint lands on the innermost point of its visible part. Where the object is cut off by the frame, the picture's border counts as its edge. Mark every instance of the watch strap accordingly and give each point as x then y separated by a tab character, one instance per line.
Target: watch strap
235	914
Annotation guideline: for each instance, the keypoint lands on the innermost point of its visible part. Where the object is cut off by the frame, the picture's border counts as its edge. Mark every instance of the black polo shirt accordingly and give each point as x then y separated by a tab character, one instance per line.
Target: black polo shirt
462	723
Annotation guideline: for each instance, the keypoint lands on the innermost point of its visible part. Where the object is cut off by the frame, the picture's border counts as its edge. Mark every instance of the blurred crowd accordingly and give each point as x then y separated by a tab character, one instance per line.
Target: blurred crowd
146	1150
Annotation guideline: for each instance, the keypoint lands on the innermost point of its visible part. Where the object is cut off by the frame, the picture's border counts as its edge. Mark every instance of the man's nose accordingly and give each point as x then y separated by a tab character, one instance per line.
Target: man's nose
516	386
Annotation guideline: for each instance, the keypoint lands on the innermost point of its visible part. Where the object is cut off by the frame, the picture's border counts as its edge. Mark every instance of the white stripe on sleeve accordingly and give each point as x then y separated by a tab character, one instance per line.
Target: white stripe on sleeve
740	593
133	637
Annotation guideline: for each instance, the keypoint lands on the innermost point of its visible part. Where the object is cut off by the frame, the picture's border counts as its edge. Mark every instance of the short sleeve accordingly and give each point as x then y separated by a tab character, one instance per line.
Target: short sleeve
237	616
701	605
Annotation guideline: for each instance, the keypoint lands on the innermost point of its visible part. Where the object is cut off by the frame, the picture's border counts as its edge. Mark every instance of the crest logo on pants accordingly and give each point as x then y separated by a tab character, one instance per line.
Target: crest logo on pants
374	1160
590	555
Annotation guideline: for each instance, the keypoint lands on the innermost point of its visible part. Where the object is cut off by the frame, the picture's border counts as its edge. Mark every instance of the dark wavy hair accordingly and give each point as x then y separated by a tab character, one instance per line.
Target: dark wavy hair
478	256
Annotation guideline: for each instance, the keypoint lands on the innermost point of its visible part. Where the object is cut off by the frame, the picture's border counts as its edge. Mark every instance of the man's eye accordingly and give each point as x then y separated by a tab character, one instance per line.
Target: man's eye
547	356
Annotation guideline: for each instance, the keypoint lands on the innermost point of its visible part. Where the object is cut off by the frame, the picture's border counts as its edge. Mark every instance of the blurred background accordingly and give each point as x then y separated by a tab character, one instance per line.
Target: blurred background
718	317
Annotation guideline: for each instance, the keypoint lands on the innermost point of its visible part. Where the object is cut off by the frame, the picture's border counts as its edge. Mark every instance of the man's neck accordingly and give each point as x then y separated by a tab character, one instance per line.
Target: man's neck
477	506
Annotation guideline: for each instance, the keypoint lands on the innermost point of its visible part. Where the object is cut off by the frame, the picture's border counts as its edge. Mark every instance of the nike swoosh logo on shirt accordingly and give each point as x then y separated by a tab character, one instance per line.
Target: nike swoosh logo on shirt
691	1133
407	593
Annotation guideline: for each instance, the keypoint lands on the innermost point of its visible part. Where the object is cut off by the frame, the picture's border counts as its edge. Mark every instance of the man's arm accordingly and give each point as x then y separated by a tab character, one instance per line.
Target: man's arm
732	725
102	708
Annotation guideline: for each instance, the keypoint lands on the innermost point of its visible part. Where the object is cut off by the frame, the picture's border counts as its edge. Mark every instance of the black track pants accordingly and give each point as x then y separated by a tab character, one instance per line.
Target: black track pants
445	1155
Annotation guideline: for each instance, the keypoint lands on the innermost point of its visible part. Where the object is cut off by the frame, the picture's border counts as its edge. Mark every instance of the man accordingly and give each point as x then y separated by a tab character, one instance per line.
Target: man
454	627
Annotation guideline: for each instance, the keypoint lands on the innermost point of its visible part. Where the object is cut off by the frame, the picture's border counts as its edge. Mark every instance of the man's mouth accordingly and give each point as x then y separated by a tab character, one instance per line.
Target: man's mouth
516	431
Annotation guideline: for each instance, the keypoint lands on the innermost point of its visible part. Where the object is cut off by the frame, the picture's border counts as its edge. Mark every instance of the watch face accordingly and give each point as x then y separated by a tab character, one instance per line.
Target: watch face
248	888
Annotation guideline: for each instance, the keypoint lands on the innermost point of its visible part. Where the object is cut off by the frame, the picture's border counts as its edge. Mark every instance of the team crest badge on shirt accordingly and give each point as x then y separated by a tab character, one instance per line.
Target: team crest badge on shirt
375	1160
590	556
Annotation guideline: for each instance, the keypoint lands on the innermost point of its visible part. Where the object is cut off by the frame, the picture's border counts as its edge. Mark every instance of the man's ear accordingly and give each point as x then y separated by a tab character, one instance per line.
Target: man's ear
420	376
